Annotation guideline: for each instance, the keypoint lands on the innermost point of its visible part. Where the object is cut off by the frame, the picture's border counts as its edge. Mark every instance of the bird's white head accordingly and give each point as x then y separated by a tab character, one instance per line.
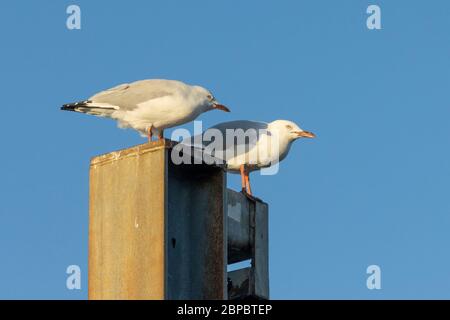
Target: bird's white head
208	100
290	130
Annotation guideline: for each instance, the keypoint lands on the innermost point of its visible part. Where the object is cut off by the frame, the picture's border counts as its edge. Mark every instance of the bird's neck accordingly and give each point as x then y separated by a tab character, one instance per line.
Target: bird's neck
279	147
284	146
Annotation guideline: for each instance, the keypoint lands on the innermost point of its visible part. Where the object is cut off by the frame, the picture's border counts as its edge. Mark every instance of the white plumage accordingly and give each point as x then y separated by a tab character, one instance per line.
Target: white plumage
149	106
247	146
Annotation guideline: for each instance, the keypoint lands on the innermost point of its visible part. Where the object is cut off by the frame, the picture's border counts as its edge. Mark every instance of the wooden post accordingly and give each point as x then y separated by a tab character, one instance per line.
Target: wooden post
157	230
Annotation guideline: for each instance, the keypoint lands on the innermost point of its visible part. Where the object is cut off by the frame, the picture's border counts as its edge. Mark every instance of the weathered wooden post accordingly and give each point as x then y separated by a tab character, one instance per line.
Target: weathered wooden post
164	231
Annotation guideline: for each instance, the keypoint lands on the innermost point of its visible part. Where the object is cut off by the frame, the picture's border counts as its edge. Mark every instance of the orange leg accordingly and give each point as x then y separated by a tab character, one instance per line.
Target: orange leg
242	170
245	180
247	183
161	135
149	133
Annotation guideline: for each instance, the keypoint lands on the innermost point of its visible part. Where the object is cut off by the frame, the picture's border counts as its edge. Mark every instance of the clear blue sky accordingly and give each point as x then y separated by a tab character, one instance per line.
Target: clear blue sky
373	188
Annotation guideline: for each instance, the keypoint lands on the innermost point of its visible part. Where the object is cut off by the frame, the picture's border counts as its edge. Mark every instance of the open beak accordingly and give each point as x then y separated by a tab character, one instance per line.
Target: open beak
221	107
305	134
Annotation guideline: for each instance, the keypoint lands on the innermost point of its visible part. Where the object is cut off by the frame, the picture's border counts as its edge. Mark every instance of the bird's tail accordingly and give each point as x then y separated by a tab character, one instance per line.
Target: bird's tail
89	107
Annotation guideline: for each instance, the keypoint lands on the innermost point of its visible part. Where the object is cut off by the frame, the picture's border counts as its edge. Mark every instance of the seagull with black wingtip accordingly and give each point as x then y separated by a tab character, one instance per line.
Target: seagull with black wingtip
149	106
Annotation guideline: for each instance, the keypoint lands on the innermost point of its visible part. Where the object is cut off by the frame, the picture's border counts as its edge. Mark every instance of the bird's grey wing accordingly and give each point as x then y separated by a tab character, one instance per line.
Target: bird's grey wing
228	139
128	95
239	137
240	124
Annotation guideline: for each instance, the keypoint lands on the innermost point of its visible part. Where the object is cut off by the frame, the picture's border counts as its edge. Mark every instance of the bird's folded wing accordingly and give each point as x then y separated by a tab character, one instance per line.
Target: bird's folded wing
128	96
236	138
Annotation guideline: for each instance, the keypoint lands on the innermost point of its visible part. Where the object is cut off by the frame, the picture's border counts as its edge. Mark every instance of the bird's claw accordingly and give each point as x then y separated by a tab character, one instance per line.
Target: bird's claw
249	195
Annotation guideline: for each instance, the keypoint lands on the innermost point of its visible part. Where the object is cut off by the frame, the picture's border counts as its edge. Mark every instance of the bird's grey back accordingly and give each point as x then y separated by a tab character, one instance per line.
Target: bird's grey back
240	124
239	145
128	95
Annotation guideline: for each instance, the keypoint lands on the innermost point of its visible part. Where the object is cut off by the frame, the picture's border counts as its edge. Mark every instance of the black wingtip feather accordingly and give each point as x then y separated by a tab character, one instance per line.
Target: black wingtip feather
72	106
68	107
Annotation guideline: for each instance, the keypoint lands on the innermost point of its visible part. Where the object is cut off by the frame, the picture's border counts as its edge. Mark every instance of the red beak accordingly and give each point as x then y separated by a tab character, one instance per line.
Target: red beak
221	107
305	134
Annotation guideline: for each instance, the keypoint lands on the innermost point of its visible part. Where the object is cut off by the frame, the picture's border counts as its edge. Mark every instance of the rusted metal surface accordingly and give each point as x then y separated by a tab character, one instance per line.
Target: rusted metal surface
248	239
239	284
197	232
261	247
127	229
157	231
239	241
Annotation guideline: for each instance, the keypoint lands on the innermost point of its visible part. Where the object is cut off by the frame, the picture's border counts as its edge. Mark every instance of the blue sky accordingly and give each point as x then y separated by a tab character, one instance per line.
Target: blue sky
371	189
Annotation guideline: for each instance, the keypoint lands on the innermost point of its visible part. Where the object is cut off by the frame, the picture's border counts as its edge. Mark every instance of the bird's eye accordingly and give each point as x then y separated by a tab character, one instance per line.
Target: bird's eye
289	127
210	97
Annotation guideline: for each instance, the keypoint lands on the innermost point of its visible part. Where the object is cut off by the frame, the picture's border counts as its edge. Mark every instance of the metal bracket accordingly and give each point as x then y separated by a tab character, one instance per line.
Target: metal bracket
248	238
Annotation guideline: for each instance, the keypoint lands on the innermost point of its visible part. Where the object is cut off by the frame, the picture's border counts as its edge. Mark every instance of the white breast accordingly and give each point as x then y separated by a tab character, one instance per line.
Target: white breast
266	152
161	113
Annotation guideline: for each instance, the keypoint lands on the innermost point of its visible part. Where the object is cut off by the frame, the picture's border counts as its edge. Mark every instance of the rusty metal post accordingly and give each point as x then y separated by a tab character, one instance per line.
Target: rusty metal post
157	230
